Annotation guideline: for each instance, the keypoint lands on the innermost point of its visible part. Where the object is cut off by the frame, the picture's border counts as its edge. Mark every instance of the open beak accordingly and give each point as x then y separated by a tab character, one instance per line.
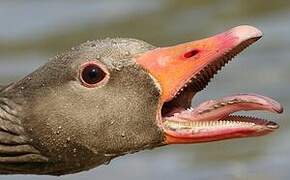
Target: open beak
185	69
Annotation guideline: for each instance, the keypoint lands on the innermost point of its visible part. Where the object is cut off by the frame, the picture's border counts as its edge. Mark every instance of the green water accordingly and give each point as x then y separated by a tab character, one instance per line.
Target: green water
33	31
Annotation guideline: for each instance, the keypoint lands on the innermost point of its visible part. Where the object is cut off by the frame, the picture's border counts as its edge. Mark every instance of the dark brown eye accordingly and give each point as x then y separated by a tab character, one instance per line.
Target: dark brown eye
92	74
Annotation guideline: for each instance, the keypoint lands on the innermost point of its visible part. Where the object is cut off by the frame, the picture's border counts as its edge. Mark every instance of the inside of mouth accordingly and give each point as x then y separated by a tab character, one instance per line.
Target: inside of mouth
219	112
214	120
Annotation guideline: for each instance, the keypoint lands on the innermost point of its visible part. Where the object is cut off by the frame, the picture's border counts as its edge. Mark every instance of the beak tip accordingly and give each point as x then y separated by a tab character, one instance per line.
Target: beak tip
246	32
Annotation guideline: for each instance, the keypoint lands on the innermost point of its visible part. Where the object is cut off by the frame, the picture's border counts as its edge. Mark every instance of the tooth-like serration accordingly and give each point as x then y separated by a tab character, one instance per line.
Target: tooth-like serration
201	80
233	123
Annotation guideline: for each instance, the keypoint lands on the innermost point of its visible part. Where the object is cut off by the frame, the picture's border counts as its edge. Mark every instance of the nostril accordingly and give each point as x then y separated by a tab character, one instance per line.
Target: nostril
191	53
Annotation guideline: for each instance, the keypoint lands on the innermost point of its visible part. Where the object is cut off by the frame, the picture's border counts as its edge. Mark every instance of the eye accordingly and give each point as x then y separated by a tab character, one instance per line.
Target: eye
92	74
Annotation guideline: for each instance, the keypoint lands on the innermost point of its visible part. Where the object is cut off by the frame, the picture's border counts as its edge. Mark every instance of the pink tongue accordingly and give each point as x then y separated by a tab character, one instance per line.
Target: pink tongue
213	110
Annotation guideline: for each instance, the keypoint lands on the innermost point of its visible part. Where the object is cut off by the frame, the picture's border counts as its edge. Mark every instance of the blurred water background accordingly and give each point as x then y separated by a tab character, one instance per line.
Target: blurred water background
32	31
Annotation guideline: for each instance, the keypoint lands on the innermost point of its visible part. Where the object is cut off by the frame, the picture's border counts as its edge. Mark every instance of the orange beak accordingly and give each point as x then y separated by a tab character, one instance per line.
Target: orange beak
185	69
173	66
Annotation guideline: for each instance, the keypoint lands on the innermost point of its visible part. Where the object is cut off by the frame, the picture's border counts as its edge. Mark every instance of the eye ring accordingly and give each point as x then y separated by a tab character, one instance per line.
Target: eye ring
93	74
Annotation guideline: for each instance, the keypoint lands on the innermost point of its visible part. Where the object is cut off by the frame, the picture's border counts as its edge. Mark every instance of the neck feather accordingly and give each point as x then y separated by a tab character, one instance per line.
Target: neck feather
9	119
